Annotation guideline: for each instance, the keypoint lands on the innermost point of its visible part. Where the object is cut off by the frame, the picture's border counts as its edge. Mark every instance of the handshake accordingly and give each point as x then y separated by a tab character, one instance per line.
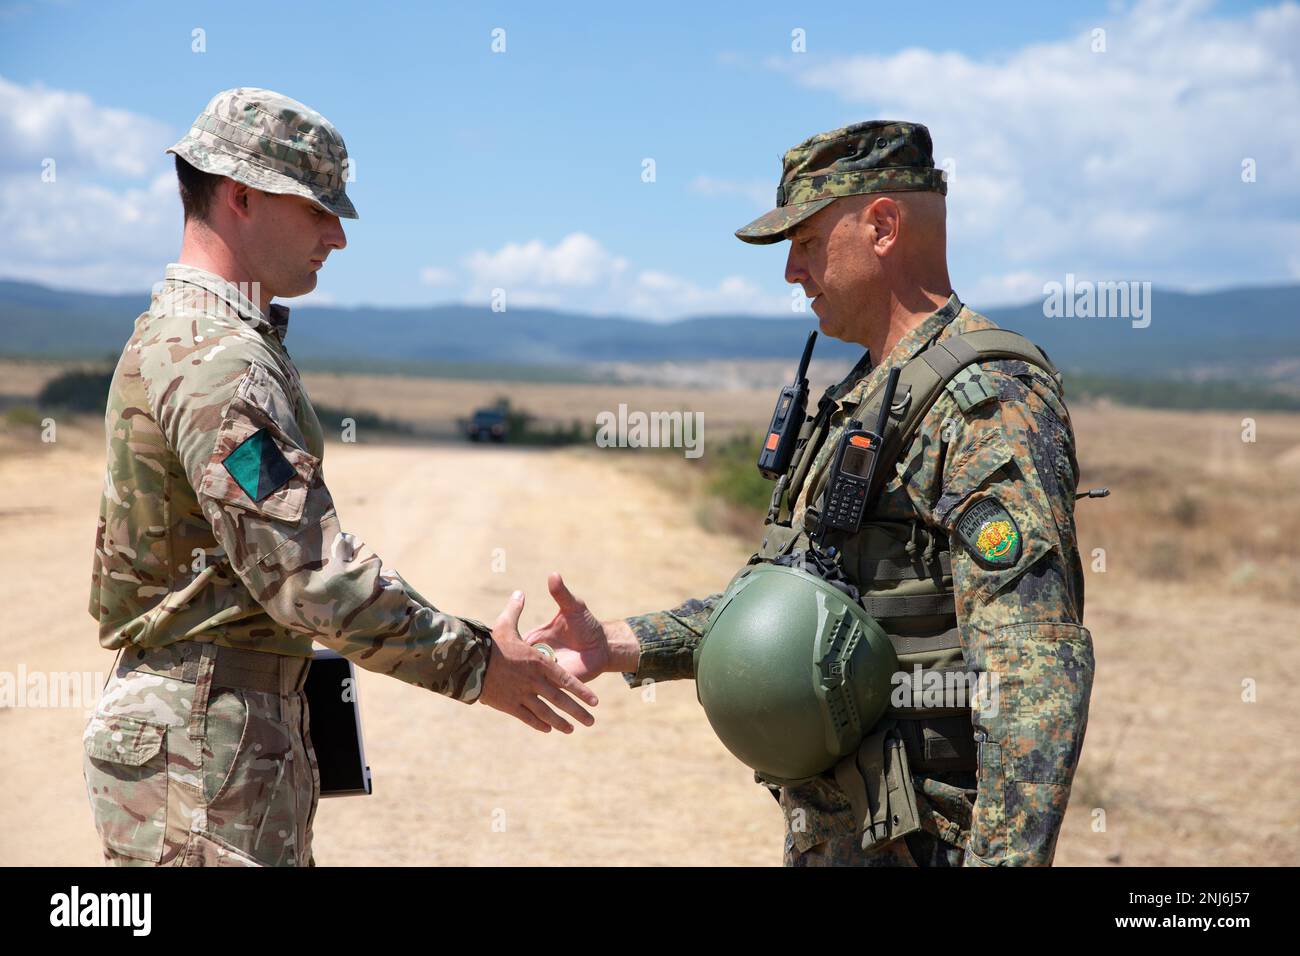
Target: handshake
524	683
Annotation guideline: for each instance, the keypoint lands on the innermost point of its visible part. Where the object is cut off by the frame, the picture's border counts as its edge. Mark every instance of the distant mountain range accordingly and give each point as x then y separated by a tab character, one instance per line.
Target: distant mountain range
1247	336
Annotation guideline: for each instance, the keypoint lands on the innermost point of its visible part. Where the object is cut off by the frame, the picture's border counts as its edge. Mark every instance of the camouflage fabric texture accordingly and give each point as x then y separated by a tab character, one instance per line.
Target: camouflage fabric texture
820	830
273	143
184	551
873	157
1022	622
181	773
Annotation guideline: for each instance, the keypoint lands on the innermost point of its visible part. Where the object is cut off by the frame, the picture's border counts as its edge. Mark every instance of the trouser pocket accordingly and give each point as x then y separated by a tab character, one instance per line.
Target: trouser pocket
314	797
205	849
125	769
258	778
989	815
223	742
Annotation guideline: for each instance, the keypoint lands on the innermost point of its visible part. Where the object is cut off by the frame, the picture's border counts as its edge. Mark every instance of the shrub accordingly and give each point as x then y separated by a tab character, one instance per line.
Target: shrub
79	390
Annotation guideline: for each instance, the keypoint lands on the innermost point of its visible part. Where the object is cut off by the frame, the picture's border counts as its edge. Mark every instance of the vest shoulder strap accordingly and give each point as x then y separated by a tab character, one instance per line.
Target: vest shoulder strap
920	383
922	380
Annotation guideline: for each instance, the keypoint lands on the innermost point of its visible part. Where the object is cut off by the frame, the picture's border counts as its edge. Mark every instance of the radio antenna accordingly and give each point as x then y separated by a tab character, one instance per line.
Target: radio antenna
802	374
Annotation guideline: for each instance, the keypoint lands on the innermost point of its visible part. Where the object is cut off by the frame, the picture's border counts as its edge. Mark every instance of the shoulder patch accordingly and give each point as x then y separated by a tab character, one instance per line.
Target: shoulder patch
990	534
258	466
971	387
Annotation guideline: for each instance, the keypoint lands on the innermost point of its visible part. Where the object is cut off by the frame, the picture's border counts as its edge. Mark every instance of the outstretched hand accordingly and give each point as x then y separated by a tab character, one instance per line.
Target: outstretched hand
520	680
575	635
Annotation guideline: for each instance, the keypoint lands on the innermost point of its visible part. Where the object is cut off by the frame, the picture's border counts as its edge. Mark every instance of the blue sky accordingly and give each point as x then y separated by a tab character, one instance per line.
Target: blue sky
523	169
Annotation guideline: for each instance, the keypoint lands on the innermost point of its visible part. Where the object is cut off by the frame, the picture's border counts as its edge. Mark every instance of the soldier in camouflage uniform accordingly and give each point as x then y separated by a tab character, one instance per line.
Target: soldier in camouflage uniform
992	470
219	556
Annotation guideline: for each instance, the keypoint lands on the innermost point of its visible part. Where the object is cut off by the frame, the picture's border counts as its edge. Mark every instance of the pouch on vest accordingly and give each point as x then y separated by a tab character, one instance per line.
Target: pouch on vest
878	782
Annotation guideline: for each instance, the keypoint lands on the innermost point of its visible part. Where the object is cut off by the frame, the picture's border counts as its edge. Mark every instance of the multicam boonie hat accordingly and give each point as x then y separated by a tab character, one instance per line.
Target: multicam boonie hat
874	157
273	143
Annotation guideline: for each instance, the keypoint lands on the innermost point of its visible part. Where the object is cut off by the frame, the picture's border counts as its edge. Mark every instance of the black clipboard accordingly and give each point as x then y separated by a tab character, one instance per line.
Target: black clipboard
335	721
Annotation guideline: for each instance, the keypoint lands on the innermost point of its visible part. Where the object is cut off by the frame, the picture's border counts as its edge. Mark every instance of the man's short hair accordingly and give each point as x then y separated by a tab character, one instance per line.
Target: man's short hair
197	190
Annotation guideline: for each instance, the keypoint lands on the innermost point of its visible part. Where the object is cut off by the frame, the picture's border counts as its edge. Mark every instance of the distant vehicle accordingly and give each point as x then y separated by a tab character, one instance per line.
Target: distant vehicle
487	424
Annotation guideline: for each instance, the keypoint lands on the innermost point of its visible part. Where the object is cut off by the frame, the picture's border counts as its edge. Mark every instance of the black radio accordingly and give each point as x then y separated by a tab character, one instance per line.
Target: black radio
853	471
787	420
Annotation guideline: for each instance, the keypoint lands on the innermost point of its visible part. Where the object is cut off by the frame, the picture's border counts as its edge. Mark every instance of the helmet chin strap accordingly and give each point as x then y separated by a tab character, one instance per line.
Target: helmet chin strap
825	564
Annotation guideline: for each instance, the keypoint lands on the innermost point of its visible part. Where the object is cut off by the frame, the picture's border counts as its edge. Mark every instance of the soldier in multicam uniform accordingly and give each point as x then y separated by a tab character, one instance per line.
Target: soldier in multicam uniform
974	528
219	557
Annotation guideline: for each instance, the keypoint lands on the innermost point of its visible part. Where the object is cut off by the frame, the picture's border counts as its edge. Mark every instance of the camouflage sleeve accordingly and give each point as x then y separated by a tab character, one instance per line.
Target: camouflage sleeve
668	640
264	495
1001	481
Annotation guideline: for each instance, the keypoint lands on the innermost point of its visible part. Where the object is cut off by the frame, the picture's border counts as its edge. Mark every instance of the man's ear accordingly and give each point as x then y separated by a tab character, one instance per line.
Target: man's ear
236	198
884	217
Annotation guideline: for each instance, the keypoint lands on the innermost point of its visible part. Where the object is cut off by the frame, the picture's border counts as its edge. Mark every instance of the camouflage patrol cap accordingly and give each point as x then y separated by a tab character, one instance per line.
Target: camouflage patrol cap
874	157
273	143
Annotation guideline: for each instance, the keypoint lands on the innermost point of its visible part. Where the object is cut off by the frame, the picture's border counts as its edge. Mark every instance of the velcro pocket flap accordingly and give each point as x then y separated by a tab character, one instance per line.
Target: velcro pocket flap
969	472
118	738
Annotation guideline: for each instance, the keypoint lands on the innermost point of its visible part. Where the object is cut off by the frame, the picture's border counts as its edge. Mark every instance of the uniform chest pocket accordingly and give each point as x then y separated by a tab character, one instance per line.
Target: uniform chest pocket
125	770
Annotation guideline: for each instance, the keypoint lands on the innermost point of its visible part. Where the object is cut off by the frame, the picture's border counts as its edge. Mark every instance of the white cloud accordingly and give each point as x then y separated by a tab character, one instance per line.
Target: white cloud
576	261
760	193
70	128
105	215
313	298
1122	161
1008	287
579	274
662	296
437	277
82	235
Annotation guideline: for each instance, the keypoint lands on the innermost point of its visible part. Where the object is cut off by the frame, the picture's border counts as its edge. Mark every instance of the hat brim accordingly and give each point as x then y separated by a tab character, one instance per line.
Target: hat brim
772	226
340	205
221	163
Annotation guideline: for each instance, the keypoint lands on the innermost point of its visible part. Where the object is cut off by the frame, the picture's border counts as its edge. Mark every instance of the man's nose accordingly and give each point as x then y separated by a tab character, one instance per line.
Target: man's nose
334	236
794	266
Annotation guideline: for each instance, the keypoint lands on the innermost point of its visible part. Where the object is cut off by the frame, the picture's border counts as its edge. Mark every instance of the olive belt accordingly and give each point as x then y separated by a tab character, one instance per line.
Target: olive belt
233	667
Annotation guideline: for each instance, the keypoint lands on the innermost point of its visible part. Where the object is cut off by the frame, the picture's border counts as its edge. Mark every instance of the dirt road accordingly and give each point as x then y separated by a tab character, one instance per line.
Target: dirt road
454	784
1185	771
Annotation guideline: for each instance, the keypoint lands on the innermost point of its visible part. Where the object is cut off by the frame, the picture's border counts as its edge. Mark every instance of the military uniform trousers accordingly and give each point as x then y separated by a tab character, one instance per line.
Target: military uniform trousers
200	755
821	829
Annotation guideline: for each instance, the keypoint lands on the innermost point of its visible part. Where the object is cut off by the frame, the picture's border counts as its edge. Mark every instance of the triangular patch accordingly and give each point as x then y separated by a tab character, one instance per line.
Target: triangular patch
258	466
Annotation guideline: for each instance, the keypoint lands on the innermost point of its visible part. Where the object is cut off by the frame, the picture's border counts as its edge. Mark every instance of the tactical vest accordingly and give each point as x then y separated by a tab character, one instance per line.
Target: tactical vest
903	569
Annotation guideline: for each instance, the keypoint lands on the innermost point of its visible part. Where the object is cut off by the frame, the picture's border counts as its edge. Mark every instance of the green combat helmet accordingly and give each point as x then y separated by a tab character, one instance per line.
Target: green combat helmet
792	673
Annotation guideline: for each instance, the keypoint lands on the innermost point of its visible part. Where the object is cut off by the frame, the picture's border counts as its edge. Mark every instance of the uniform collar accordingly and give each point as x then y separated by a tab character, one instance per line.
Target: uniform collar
231	296
924	332
856	383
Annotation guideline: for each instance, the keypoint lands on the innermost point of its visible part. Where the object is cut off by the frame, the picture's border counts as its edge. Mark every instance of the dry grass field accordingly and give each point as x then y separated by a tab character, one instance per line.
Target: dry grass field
1193	602
434	407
